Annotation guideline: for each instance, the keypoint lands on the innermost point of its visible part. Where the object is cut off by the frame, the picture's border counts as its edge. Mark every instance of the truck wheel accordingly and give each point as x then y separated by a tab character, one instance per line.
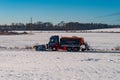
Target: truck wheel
69	49
82	50
54	49
76	49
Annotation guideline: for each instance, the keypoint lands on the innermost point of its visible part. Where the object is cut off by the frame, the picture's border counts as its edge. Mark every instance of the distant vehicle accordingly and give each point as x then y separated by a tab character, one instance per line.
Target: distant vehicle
65	43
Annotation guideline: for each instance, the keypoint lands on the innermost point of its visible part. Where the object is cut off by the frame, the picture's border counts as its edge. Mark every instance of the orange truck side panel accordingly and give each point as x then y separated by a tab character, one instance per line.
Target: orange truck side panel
74	37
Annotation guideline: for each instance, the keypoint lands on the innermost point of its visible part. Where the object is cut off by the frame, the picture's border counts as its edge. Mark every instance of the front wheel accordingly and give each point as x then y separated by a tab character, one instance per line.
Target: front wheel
54	49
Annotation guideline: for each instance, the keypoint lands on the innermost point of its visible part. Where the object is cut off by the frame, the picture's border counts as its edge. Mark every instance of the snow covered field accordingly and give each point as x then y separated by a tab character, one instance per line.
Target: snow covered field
32	65
107	30
95	40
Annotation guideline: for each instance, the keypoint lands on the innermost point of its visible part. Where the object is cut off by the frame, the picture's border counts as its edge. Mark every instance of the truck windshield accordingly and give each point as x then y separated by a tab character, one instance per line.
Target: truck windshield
52	40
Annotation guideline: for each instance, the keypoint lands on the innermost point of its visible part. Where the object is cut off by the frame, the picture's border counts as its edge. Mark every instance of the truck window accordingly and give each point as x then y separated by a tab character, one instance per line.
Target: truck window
52	41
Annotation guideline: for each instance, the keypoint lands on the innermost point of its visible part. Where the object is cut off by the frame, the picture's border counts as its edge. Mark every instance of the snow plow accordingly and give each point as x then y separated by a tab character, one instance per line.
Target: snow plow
63	44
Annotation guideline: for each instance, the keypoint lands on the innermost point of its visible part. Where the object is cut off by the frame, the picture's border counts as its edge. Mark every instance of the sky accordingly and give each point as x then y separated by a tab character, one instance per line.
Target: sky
83	11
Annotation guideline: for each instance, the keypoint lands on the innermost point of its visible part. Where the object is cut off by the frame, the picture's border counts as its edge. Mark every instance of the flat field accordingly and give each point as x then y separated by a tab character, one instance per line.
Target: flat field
95	40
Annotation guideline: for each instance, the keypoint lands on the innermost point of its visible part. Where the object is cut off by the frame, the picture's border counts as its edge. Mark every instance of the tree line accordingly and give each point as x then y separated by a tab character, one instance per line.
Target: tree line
60	26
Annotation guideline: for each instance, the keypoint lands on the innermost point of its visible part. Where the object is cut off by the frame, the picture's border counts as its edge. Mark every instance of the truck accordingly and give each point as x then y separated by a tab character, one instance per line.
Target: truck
57	43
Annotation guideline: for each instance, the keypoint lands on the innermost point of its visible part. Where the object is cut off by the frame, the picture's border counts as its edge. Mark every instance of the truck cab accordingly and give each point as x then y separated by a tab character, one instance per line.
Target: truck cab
53	43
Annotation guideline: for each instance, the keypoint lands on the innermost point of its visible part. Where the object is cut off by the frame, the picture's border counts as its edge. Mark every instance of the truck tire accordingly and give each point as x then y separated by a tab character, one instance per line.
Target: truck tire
54	49
69	49
76	49
82	50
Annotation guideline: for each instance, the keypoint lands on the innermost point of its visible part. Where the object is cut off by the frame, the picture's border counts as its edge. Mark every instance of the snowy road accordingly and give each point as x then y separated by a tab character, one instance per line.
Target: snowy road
31	65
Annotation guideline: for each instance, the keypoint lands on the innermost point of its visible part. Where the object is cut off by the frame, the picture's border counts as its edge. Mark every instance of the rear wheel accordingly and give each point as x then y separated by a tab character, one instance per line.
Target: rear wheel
82	50
69	49
76	49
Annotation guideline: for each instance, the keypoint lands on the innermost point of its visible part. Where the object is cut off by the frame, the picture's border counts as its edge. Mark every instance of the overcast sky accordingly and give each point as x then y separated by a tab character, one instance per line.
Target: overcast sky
84	11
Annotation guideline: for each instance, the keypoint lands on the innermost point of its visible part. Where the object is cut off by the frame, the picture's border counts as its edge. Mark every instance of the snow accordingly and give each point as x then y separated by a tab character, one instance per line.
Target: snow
107	30
95	40
33	65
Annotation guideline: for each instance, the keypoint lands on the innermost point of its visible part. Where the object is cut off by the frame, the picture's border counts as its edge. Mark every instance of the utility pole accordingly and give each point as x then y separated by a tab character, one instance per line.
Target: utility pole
31	24
31	20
